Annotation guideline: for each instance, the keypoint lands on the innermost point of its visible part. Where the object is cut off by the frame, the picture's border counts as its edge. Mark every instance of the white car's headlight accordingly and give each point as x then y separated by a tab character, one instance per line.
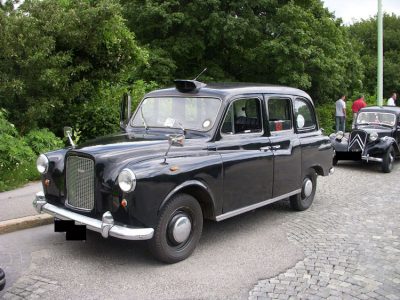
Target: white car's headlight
42	164
373	136
127	180
339	135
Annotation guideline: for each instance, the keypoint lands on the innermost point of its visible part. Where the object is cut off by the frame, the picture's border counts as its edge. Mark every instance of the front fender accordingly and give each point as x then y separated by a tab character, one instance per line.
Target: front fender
381	146
197	189
340	146
199	176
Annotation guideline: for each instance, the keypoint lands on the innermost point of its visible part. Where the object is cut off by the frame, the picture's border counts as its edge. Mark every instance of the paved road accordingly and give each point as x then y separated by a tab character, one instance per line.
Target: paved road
347	245
14	203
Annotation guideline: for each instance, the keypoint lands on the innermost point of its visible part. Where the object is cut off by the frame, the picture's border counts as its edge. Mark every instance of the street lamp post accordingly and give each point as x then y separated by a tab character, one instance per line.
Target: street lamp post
380	55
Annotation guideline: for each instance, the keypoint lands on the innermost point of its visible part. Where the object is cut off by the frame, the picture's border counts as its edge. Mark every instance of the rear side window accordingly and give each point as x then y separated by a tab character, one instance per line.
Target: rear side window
304	115
279	114
243	116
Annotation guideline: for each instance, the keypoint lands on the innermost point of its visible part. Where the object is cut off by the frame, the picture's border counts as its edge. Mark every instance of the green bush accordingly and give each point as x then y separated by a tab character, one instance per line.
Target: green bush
42	140
18	154
100	115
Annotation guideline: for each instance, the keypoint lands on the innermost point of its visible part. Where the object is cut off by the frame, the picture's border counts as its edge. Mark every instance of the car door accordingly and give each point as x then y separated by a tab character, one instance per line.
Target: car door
245	152
285	145
314	145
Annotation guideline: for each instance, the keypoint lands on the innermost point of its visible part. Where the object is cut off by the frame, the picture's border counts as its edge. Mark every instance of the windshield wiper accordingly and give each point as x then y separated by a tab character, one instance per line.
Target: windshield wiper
143	119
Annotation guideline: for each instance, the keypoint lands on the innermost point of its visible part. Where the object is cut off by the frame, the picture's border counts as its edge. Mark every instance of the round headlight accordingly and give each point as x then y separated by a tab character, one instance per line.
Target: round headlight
42	164
373	136
127	180
339	135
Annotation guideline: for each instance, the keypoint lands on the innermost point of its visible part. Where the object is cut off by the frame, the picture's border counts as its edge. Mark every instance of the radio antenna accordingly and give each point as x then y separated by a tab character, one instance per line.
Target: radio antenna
205	69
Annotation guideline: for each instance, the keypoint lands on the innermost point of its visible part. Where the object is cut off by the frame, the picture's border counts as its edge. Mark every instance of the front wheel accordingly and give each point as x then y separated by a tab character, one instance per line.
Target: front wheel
178	230
388	160
304	200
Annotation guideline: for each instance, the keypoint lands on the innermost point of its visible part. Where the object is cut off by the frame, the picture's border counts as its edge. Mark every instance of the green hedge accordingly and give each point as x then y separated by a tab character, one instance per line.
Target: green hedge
18	154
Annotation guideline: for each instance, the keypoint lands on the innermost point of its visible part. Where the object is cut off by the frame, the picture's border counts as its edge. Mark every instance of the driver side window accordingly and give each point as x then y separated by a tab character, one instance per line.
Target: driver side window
243	116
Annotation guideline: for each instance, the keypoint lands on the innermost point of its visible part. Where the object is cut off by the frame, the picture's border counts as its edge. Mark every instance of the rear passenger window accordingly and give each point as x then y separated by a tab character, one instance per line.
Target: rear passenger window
279	113
243	116
304	114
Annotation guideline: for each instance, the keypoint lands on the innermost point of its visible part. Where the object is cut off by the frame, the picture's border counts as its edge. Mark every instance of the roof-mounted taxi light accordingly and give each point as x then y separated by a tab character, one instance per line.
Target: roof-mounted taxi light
187	86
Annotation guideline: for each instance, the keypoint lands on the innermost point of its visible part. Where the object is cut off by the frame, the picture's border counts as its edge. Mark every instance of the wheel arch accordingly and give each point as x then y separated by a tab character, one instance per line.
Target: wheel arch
318	169
199	191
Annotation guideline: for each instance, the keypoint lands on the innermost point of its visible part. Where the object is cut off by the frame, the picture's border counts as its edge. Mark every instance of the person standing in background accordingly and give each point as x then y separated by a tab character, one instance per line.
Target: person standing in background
392	100
340	114
357	105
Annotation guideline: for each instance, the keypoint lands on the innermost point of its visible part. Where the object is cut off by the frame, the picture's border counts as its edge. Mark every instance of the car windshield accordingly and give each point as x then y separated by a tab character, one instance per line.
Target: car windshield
193	113
386	119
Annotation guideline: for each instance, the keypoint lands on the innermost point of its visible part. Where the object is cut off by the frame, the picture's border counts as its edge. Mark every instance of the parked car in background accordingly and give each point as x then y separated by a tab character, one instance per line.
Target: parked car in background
375	138
189	152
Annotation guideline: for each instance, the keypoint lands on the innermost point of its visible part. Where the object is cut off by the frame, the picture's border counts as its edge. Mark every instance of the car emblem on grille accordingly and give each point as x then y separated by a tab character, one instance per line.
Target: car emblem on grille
81	171
357	140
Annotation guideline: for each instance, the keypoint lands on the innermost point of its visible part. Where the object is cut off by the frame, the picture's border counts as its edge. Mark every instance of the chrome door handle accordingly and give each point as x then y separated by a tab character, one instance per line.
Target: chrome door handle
265	149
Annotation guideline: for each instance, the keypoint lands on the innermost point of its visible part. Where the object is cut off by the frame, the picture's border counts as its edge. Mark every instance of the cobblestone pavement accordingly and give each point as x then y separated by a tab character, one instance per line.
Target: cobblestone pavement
350	238
31	287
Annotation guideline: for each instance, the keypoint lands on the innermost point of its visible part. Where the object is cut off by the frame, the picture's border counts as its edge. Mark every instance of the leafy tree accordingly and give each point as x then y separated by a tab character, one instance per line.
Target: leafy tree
294	43
365	35
56	55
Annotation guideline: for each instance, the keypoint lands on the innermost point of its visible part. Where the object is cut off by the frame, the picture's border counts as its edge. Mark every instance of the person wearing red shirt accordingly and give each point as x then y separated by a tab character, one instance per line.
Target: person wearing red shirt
357	105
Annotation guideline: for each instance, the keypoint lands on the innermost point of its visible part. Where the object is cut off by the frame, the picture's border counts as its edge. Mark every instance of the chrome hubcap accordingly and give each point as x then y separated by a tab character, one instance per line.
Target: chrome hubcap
307	187
180	228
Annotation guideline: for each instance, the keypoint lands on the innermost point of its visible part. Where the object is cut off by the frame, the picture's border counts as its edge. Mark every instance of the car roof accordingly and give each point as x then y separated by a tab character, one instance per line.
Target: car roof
227	90
389	109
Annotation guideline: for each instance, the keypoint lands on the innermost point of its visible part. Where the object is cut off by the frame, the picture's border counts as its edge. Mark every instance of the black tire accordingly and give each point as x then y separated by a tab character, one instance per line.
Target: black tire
388	160
334	161
2	279
163	245
302	201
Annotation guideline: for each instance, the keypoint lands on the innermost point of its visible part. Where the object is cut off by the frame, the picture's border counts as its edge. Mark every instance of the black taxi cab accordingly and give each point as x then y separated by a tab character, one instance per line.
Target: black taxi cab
188	153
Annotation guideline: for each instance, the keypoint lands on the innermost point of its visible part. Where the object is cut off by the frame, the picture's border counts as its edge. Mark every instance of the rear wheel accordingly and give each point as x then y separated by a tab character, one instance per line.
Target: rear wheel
304	200
388	160
178	230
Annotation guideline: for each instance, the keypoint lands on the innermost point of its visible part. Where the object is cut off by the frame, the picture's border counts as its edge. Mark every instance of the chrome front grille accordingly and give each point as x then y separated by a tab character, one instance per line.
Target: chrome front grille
80	182
357	140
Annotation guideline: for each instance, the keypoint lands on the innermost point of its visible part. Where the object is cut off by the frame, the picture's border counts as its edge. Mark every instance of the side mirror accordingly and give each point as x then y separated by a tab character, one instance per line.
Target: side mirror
176	140
68	134
125	111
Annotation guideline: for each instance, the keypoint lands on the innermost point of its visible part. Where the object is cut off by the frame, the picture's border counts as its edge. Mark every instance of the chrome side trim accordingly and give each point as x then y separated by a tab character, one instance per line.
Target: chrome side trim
254	206
371	158
105	226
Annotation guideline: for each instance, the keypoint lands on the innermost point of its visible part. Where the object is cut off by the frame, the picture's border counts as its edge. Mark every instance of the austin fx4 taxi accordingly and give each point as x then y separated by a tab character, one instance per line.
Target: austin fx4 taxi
188	153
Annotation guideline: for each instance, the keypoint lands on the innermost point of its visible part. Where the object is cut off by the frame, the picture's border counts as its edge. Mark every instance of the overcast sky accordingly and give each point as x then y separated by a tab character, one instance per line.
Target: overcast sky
350	10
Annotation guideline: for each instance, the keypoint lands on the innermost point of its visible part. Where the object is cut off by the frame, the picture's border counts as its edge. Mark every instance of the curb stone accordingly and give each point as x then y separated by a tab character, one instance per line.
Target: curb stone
25	222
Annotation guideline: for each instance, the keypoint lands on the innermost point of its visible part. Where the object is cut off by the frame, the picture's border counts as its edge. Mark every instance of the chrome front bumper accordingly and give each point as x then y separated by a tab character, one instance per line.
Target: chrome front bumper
106	226
371	158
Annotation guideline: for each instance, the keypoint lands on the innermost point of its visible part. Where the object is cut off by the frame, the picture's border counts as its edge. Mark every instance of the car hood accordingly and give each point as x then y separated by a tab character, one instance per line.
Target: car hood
380	130
128	146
